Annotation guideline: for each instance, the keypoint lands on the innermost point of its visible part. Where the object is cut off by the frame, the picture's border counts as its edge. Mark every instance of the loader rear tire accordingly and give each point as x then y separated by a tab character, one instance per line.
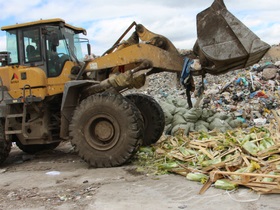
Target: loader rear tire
106	130
5	144
152	114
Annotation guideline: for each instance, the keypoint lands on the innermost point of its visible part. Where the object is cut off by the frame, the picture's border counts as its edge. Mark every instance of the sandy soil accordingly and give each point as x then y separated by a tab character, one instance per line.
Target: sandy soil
59	179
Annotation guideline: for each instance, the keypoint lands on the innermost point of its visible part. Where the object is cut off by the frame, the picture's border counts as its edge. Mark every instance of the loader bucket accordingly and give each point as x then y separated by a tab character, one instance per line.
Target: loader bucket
224	43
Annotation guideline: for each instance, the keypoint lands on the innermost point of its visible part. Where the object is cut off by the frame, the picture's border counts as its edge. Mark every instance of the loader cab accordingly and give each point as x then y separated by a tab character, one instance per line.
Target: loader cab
47	44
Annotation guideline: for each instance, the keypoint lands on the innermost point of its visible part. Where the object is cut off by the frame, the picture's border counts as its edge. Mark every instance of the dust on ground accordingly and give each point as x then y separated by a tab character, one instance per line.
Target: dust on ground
59	179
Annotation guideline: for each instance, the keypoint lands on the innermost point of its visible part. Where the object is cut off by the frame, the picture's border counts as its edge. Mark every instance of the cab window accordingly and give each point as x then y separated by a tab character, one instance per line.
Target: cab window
31	42
57	50
12	46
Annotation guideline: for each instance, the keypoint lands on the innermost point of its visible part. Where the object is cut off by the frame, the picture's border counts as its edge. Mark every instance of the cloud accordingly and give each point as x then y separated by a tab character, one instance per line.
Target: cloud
103	34
106	20
2	43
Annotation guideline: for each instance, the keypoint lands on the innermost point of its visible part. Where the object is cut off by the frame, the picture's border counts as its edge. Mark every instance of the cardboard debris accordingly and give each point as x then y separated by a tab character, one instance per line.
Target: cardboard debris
250	158
250	180
276	114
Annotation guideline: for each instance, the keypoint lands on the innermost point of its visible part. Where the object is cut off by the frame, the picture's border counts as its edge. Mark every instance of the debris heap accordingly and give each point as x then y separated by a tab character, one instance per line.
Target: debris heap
238	157
177	116
232	136
248	95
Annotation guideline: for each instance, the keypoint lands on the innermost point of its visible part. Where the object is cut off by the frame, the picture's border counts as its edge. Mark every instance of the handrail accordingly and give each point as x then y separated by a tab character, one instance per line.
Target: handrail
23	94
2	89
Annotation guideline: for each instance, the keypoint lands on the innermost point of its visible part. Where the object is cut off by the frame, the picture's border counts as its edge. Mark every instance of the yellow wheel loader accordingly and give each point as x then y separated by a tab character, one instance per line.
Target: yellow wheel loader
50	92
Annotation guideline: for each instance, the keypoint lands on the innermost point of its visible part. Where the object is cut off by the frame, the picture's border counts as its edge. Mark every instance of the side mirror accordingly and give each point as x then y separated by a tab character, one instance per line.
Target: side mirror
88	48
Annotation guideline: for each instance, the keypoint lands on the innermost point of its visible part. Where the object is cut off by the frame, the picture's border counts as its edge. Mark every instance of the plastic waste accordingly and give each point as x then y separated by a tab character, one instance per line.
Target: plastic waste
53	173
252	95
260	121
261	94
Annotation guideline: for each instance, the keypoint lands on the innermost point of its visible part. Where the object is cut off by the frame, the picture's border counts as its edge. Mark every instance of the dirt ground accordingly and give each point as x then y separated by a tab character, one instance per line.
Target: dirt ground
59	179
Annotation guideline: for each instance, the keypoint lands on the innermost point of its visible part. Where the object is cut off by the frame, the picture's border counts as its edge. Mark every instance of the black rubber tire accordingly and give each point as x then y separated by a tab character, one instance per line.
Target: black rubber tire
106	130
34	148
152	114
5	145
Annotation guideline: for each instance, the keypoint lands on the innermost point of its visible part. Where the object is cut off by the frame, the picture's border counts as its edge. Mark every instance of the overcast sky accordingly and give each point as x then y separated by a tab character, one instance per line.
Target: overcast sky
106	20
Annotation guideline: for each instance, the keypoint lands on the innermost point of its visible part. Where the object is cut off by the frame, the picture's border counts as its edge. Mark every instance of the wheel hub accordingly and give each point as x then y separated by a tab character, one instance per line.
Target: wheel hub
104	131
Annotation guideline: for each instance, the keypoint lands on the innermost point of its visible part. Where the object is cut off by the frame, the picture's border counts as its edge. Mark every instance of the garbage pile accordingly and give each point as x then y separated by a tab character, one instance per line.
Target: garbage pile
250	158
177	117
230	138
250	94
244	98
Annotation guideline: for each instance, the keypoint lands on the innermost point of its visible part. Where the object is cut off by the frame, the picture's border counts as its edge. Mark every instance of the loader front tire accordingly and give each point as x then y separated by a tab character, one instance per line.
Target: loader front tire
106	130
152	114
5	144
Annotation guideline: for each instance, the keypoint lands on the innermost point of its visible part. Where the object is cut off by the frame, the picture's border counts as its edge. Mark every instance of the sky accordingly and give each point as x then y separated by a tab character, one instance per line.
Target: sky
106	20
